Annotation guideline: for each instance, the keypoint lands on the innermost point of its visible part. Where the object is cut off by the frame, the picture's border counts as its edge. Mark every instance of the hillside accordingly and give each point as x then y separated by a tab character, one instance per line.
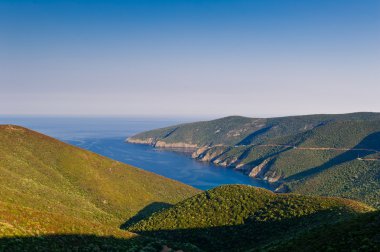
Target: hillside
313	154
56	197
52	188
237	218
27	229
235	130
361	233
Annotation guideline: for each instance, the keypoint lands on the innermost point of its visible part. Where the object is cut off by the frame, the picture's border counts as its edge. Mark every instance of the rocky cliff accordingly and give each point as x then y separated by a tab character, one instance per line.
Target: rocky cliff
215	155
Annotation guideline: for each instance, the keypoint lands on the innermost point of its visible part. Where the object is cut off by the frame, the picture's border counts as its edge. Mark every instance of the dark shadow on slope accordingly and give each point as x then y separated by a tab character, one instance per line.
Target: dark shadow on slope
244	154
357	234
324	231
77	242
145	213
221	154
249	139
274	154
300	138
252	234
370	142
170	132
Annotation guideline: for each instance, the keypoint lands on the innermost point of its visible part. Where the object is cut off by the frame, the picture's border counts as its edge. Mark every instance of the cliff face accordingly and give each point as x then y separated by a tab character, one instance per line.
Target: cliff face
216	155
149	141
161	144
221	156
209	153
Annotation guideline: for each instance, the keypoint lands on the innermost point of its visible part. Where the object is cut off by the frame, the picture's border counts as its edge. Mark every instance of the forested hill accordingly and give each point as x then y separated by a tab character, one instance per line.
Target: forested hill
336	155
237	130
243	218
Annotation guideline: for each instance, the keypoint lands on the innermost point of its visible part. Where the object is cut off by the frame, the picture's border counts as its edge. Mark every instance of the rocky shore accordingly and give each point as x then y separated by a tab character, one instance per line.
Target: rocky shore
214	155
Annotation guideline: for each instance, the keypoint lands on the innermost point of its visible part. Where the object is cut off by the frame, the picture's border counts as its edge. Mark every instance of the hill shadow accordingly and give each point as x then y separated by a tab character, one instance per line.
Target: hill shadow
253	234
60	242
248	139
367	146
145	213
273	155
81	242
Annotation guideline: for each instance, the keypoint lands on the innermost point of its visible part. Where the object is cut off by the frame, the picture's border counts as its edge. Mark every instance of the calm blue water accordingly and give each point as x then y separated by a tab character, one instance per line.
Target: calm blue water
106	136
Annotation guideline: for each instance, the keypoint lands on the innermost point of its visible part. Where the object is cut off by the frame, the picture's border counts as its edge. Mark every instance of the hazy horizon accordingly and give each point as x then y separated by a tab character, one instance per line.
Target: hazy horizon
186	118
189	58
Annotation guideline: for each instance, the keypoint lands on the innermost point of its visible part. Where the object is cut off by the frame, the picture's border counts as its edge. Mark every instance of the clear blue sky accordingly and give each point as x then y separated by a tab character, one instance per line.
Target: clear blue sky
267	57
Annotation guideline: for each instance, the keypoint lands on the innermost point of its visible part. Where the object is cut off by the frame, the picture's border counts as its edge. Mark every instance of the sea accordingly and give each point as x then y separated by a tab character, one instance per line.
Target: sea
106	136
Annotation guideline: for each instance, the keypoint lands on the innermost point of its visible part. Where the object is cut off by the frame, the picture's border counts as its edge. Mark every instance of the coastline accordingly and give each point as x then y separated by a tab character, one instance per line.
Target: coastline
208	154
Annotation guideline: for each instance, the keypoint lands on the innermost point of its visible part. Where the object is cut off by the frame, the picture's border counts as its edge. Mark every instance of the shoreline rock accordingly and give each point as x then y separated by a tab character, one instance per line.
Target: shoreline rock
211	155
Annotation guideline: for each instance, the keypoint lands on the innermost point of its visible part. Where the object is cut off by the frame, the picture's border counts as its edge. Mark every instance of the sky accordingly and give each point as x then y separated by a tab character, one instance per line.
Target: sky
189	58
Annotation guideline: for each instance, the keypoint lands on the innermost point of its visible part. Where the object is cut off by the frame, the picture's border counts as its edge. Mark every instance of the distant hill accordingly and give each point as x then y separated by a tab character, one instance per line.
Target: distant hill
336	155
235	130
240	218
49	188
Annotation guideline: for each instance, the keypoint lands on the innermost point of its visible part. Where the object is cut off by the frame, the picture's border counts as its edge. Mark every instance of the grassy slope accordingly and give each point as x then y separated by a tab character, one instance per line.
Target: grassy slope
242	217
25	221
27	229
49	187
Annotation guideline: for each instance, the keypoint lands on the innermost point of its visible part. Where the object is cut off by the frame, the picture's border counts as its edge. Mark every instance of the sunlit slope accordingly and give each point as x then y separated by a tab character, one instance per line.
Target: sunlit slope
44	174
237	218
19	221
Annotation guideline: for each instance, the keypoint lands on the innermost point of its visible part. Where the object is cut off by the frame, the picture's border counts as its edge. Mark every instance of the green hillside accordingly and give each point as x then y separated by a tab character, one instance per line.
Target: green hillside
227	130
52	188
243	130
26	229
237	218
361	233
314	154
57	197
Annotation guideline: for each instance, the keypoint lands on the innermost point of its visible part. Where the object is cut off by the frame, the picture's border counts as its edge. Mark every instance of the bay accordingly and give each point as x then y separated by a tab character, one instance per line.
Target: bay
106	136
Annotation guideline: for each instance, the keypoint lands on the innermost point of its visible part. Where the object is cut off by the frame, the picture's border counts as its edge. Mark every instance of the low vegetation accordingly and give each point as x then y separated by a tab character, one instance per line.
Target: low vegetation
237	218
234	130
52	188
361	233
57	197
